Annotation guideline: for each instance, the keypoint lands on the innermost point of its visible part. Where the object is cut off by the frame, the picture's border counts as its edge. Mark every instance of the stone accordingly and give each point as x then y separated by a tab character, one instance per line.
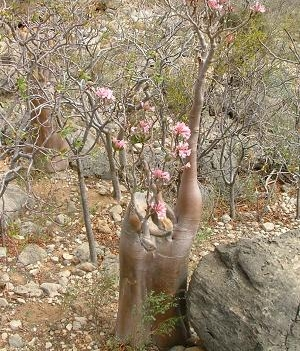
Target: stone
3	251
226	218
268	226
116	209
51	289
15	341
67	256
116	212
177	348
62	219
3	302
245	295
71	207
86	267
48	345
228	226
65	274
95	163
13	200
79	323
4	279
30	289
31	254
103	189
15	324
29	228
82	252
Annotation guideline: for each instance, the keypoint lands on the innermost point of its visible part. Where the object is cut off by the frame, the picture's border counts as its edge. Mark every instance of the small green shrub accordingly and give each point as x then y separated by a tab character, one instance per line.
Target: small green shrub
203	234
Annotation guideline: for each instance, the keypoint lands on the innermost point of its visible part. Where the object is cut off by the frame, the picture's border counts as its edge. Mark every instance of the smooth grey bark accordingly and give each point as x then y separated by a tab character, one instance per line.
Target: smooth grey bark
298	203
113	169
86	212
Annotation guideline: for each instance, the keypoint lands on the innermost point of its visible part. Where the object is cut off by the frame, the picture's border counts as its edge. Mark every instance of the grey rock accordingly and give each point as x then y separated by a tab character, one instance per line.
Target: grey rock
30	289
116	212
48	345
79	323
13	200
245	295
3	251
32	254
3	302
96	162
116	209
82	252
15	341
65	274
29	228
4	279
86	267
268	226
51	289
63	281
63	219
226	218
15	324
71	207
177	348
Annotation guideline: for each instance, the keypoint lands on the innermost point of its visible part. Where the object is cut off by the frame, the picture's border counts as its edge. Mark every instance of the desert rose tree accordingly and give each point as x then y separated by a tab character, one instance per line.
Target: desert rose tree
155	240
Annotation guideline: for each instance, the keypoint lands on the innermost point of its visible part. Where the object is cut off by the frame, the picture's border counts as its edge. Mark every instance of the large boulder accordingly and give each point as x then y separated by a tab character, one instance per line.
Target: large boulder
246	296
13	200
95	161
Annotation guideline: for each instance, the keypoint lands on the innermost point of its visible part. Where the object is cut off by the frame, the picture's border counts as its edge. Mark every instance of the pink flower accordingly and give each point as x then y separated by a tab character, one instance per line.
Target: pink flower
133	129
160	209
183	130
145	126
105	93
160	174
182	150
229	38
258	8
214	4
147	107
118	144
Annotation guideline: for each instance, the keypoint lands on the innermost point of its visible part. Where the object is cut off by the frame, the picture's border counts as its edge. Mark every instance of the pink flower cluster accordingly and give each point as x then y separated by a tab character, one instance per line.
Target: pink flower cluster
118	144
145	126
229	38
258	8
160	174
159	208
182	150
216	4
181	129
105	94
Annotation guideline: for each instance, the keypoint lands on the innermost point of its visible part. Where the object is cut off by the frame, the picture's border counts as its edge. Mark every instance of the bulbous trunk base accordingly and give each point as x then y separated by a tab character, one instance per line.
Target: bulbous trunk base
150	273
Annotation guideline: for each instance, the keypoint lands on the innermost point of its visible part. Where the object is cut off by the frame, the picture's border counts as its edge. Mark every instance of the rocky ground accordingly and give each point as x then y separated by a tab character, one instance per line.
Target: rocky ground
52	298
